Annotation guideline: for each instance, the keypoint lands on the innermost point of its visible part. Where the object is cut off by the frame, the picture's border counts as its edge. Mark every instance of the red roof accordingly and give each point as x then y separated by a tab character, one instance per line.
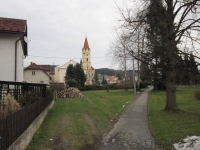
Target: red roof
86	45
33	66
41	67
51	73
45	67
12	25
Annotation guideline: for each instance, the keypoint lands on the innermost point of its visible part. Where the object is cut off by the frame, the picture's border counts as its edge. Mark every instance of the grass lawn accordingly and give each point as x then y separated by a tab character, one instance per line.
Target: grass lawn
169	127
80	123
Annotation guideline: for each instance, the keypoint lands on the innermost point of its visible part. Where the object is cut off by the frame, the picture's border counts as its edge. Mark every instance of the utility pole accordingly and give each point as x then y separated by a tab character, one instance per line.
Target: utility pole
134	77
125	74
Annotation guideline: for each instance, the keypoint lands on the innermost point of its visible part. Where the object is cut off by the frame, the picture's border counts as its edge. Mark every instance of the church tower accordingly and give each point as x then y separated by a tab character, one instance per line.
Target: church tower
86	64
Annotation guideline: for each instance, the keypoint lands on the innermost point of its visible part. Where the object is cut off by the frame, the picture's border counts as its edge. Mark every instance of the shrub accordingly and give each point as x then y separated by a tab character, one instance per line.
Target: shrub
143	84
197	95
72	83
98	87
49	91
27	99
10	107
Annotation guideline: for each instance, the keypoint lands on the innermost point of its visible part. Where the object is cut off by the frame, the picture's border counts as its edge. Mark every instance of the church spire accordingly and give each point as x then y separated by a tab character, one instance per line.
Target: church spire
86	45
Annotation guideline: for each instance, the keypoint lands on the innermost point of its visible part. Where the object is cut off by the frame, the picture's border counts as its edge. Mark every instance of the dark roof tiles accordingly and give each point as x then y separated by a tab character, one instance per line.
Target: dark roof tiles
12	25
45	67
40	67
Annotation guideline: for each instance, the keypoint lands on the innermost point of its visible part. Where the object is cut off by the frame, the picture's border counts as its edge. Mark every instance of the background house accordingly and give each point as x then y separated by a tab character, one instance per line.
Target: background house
37	74
13	48
111	79
61	70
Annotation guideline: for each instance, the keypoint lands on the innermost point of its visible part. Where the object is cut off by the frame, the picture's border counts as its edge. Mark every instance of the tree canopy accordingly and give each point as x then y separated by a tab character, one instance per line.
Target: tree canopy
75	76
170	28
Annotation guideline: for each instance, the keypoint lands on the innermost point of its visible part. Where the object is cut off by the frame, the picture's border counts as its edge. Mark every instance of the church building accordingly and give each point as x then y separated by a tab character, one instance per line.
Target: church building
86	64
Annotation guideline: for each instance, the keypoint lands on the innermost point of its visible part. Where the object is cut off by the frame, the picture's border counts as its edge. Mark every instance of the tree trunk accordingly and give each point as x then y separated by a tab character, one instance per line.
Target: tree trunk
171	53
171	91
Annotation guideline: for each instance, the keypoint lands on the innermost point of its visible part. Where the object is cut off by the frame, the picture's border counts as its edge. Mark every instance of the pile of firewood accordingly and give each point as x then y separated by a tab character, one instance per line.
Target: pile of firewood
70	92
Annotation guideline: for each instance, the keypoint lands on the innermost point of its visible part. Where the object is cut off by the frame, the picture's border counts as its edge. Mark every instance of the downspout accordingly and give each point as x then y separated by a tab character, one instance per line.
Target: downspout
16	58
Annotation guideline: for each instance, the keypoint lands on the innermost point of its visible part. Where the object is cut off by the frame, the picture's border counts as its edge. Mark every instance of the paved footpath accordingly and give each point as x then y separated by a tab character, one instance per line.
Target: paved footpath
132	131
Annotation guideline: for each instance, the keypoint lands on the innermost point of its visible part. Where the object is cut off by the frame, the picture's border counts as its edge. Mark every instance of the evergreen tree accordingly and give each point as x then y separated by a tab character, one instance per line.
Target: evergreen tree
75	76
119	76
156	34
104	81
145	74
79	76
193	70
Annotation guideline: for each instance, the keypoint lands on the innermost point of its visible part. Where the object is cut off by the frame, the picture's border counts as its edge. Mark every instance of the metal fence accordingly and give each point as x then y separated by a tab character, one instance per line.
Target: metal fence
16	89
15	124
12	126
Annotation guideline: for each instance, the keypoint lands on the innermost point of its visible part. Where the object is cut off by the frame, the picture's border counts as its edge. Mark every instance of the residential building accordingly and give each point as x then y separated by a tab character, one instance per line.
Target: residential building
111	79
60	72
86	63
13	48
37	74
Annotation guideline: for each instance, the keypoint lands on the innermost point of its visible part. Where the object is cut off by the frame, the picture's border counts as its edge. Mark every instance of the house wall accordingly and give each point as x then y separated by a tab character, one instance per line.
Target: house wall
37	78
60	74
60	71
7	57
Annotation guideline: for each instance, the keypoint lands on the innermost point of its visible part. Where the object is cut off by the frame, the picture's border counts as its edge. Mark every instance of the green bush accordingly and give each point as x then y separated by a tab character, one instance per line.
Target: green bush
143	84
72	83
49	91
27	99
98	87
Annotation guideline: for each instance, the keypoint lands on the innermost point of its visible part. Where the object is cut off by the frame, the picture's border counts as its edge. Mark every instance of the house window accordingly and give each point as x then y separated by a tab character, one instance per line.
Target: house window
33	73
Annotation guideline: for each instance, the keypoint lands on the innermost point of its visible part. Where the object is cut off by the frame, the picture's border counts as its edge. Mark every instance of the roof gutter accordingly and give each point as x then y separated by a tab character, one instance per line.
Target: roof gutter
16	58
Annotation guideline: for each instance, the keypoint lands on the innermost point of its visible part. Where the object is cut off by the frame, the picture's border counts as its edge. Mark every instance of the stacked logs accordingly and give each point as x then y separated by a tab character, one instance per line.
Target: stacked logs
70	92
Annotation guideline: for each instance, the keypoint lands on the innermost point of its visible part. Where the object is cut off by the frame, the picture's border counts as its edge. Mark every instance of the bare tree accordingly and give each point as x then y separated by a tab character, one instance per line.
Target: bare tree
182	24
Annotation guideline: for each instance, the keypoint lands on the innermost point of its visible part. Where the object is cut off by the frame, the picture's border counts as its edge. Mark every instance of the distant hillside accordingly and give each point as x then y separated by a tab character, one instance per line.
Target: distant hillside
106	71
112	72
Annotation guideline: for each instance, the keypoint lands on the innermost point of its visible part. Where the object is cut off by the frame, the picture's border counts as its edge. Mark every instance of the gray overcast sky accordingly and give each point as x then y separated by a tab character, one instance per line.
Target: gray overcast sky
58	28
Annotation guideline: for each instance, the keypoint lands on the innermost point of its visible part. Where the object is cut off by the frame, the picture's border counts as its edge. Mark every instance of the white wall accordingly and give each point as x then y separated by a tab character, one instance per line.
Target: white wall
61	70
7	57
37	78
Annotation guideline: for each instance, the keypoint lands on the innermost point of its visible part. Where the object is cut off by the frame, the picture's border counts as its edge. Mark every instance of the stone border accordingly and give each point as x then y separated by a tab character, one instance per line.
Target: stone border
22	142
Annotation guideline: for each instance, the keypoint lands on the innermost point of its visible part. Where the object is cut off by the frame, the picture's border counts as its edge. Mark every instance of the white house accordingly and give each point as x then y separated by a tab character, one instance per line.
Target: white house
61	70
13	48
37	74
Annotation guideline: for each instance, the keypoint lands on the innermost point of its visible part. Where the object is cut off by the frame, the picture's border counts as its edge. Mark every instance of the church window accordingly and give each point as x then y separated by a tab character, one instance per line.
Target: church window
87	59
86	54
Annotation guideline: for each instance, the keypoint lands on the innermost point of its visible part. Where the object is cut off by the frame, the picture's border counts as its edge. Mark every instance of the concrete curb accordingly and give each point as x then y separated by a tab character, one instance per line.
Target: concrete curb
22	142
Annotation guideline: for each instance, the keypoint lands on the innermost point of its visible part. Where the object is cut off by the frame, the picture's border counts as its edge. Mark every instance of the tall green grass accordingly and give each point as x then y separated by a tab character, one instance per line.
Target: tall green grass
80	123
170	127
